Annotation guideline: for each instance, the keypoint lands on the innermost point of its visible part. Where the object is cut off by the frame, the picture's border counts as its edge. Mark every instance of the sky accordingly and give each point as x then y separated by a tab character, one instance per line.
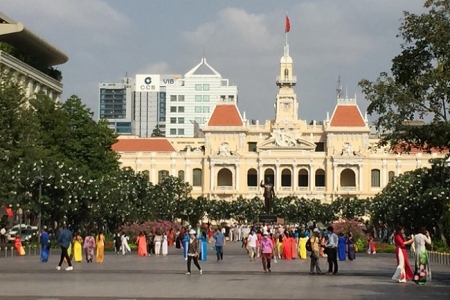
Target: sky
242	40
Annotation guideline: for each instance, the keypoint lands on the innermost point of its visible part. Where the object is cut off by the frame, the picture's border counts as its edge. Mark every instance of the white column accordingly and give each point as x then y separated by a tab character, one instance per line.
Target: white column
237	177
399	167
260	173
277	177
361	177
312	178
294	178
211	178
384	174
187	172
153	174
335	178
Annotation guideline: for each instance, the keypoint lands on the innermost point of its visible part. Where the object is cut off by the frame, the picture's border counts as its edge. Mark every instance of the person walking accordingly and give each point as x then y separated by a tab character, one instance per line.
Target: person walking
266	245
251	240
422	272
89	247
44	241
403	271
331	248
193	249
220	242
314	241
64	239
125	247
117	242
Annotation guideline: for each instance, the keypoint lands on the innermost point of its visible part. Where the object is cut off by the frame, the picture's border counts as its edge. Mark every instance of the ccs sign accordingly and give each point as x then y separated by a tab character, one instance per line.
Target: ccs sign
147	83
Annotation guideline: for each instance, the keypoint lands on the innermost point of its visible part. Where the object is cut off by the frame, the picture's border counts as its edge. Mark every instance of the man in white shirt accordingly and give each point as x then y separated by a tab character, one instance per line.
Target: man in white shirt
331	250
252	238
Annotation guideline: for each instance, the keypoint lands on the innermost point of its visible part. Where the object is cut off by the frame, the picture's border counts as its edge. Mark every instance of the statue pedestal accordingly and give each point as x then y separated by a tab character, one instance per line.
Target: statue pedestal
268	218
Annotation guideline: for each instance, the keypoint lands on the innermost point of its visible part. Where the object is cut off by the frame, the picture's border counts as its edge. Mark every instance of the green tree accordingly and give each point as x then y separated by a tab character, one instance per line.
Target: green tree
418	87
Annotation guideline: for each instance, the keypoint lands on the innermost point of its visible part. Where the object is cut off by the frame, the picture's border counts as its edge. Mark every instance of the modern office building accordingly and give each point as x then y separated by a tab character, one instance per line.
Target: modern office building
116	105
30	59
149	102
322	160
192	99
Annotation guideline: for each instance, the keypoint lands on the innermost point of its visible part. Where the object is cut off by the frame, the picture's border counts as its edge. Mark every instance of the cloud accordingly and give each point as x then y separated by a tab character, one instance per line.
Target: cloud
354	38
161	67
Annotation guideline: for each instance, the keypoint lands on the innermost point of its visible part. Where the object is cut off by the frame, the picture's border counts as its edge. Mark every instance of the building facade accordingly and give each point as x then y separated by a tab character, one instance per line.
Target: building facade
21	38
192	99
323	160
115	104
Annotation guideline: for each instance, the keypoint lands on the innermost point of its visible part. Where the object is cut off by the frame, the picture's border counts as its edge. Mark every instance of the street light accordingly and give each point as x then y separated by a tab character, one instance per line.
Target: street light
39	199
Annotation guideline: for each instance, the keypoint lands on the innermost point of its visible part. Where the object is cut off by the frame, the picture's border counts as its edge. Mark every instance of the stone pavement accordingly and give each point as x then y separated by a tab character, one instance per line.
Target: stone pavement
133	277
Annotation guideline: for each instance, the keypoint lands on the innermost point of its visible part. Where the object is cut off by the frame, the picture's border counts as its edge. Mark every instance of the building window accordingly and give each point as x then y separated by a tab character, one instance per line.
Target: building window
251	146
206	109
198	87
173	109
206	87
391	175
181	109
206	98
286	178
173	120
252	177
375	177
198	98
181	98
320	178
198	109
173	131
181	174
162	174
180	131
197	177
173	98
198	120
180	120
320	147
303	178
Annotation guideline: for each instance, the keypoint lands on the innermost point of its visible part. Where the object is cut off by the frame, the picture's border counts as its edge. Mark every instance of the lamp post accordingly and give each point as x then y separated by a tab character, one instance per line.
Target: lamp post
19	214
39	199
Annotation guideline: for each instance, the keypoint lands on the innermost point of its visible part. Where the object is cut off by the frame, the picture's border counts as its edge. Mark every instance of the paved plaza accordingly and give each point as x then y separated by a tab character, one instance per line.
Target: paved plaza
132	277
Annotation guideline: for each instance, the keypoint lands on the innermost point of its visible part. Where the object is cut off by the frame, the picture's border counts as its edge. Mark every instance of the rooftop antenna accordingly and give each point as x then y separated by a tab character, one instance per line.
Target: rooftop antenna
127	79
346	91
339	88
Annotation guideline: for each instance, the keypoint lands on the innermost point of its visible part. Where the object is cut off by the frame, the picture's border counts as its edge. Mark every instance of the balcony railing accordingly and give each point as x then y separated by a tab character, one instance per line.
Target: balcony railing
252	188
348	188
285	79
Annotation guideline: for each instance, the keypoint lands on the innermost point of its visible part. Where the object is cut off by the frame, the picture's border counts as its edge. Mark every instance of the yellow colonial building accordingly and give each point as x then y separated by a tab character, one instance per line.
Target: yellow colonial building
321	160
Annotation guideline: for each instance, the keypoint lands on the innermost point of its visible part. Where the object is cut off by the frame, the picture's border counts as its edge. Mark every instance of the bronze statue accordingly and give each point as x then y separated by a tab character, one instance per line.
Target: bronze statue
269	194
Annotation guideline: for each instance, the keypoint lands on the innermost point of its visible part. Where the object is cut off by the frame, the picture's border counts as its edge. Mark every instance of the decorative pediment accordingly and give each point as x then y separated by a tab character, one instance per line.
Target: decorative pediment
280	140
347	151
224	152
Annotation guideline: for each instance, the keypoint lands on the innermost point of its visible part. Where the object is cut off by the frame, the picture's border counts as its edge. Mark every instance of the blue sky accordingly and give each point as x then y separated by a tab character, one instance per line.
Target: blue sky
242	40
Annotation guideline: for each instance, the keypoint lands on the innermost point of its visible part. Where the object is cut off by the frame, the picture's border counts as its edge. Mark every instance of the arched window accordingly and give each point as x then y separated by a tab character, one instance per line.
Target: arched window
303	178
391	175
197	177
320	178
269	174
252	177
348	178
162	174
375	178
181	174
286	73
224	177
286	177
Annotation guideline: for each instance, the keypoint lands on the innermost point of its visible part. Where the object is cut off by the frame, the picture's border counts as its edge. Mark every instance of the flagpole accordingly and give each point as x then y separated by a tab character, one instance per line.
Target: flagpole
286	32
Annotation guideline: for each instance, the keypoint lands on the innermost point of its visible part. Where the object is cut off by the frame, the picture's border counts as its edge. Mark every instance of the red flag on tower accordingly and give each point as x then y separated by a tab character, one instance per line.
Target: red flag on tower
288	25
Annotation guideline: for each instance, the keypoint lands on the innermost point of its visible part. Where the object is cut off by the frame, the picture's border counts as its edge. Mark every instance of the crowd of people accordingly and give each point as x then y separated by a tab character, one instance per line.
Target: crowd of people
269	243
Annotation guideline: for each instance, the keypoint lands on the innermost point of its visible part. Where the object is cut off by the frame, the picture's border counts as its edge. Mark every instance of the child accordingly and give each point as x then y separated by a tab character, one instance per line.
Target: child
372	249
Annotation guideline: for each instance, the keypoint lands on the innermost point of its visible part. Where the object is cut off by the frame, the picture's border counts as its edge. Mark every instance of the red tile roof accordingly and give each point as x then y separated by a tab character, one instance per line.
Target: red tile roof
413	149
144	145
347	116
225	115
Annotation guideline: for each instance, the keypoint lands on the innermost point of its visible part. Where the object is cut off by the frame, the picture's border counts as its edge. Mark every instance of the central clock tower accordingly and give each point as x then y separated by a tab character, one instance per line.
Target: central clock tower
286	106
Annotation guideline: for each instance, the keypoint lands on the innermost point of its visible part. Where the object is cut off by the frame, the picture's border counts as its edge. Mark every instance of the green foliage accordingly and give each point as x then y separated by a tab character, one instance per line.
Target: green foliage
31	60
418	86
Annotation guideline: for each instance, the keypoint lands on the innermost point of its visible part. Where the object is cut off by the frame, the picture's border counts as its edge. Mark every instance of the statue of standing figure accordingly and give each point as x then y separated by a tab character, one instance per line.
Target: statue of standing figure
269	194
